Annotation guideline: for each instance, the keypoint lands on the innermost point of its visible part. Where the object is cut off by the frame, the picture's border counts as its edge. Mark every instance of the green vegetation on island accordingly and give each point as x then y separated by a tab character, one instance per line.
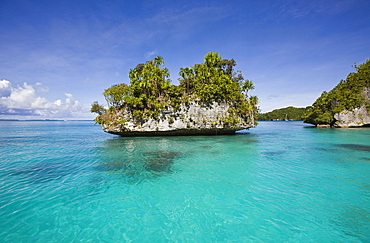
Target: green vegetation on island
150	91
284	114
348	95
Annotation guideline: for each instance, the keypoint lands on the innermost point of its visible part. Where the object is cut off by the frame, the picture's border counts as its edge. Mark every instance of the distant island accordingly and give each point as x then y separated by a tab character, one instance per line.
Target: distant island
289	113
211	98
346	105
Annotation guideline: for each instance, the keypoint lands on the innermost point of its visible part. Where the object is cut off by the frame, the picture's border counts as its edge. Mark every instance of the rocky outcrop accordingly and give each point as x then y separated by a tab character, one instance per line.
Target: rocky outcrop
357	117
191	119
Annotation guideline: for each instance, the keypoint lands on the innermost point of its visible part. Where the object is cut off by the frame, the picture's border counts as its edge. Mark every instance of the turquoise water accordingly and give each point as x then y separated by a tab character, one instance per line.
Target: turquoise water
67	181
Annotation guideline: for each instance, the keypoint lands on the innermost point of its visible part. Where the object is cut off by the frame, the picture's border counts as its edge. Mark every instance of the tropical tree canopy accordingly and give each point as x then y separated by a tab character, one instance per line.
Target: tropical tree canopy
96	108
150	90
215	80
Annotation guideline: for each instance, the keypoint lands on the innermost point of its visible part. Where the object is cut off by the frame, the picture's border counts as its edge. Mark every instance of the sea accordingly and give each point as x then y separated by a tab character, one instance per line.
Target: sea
68	181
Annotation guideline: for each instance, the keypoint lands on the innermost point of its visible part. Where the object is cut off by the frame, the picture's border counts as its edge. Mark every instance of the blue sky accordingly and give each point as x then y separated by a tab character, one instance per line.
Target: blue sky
57	57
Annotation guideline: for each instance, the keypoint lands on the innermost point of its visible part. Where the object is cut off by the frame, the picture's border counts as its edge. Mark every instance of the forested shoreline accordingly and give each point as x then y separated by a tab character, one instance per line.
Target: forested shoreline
283	114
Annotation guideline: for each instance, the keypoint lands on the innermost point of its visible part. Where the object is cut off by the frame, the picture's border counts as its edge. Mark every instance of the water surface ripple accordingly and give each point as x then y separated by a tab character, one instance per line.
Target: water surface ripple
67	181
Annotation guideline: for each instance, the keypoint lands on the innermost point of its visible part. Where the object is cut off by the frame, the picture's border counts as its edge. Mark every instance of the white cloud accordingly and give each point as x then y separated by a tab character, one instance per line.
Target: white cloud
4	84
70	96
4	88
58	103
24	100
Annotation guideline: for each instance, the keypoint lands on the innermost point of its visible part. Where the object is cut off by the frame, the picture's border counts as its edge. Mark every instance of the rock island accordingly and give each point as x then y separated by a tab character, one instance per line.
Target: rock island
211	99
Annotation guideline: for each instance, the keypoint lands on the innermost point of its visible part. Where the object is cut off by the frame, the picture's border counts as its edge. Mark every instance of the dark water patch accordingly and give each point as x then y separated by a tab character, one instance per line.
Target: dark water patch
128	172
160	161
326	149
44	171
163	154
273	153
364	158
293	147
121	167
137	167
113	166
205	147
208	149
159	165
357	147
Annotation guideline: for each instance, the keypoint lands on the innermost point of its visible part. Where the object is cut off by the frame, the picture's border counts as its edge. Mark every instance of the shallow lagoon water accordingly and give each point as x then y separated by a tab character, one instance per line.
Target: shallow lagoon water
67	181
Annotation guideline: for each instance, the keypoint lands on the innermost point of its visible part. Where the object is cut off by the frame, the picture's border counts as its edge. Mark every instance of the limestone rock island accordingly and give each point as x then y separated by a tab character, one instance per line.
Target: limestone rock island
211	99
346	105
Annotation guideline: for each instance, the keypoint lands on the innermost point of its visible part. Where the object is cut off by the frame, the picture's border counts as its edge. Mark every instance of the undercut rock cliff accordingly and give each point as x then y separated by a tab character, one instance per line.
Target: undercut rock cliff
192	119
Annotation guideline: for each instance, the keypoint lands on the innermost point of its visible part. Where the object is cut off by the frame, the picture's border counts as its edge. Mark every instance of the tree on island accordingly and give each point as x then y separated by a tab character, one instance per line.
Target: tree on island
97	108
347	95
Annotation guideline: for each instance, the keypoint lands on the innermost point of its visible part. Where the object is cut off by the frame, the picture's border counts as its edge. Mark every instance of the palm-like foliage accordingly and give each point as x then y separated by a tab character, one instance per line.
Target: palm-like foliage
215	80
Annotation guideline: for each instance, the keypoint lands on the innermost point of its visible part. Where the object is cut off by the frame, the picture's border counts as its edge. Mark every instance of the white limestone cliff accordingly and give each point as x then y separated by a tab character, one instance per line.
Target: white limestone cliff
192	119
357	117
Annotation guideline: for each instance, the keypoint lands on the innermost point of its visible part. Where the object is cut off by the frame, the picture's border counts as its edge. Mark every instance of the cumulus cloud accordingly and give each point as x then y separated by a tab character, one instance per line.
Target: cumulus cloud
24	100
4	88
